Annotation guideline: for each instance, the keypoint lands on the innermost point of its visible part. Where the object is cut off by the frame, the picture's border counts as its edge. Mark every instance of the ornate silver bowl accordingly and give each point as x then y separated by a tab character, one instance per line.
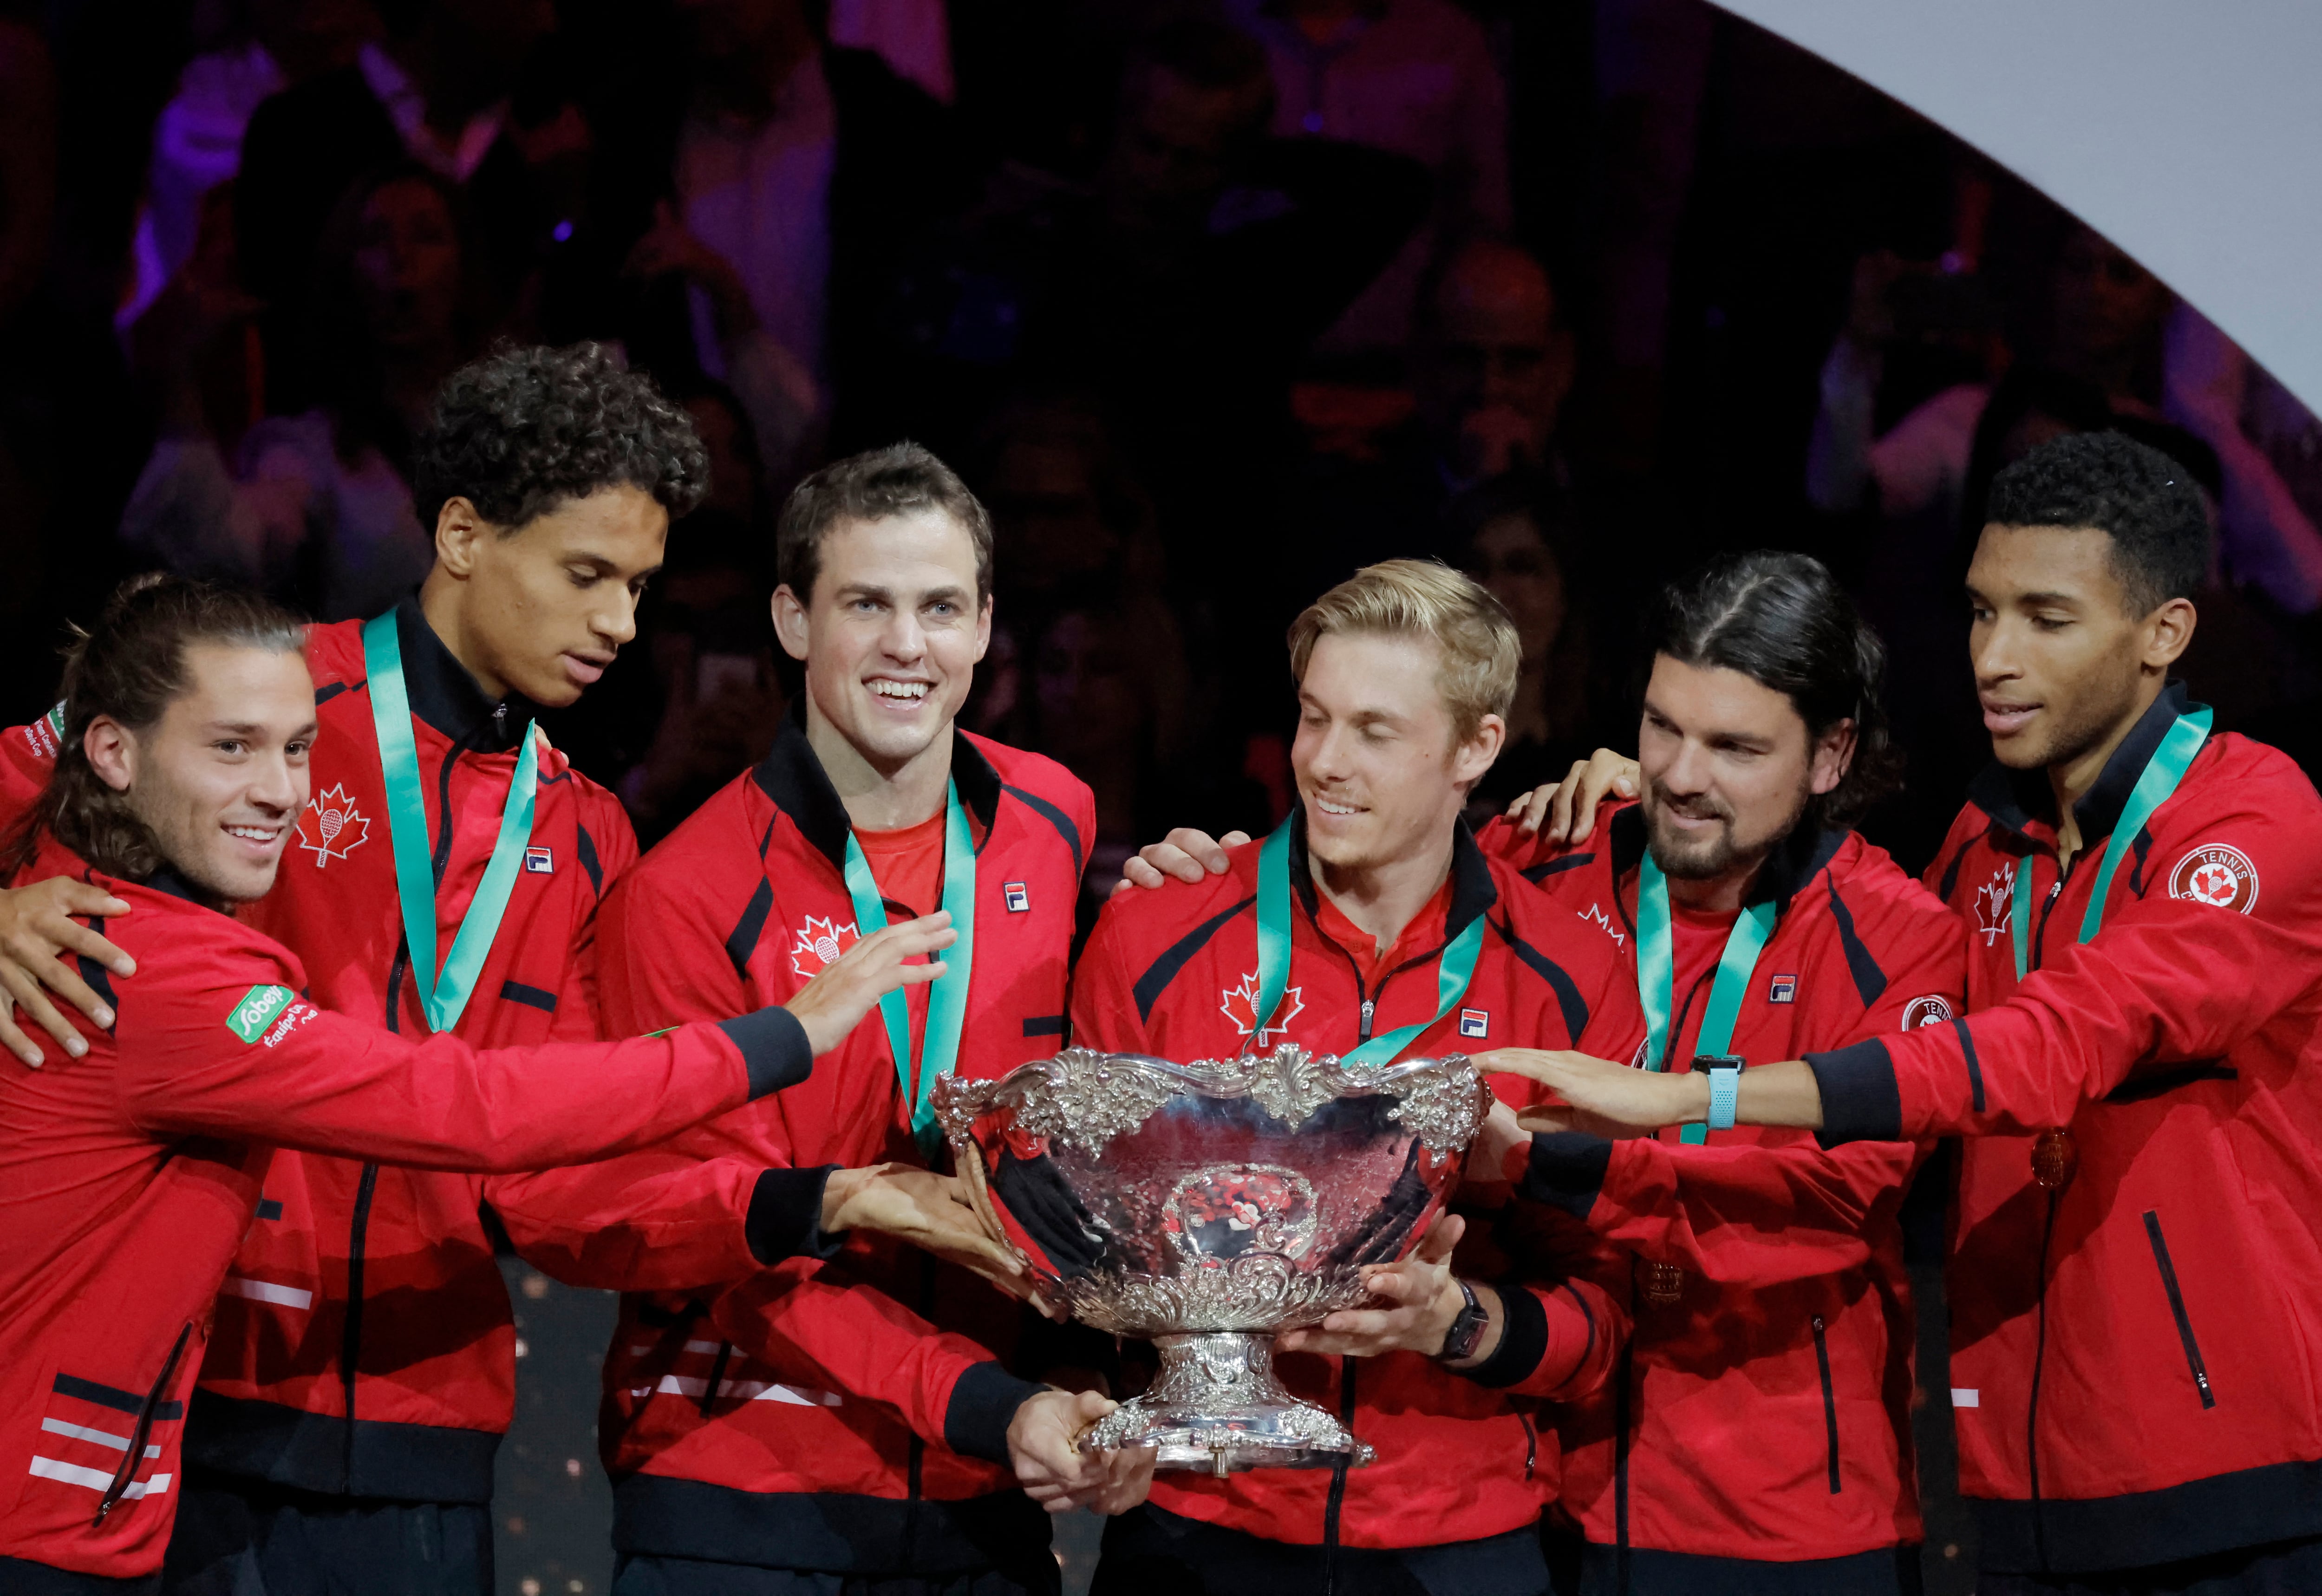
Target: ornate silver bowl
1208	1206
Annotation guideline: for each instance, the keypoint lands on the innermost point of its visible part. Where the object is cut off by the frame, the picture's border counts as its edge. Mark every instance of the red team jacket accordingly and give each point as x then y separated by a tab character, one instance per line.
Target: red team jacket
364	1344
2160	1309
130	1176
847	1412
1766	1416
1461	1456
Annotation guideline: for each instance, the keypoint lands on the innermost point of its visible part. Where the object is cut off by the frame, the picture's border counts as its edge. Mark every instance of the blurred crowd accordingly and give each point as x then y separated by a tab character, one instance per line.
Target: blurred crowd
1211	303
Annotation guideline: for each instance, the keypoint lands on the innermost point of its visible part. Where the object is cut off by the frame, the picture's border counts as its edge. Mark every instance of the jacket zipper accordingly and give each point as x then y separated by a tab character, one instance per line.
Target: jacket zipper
2039	940
717	1375
1532	1443
2177	1306
2039	932
358	1232
351	1339
1346	1367
2032	1408
919	1451
1829	1398
1623	1418
144	1427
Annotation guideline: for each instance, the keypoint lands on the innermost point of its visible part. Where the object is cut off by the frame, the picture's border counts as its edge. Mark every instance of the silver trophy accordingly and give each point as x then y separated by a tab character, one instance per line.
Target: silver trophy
1208	1206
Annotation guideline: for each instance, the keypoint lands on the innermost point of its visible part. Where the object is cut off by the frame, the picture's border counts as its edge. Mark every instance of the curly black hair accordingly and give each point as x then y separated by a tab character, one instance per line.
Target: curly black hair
523	430
2145	501
1783	621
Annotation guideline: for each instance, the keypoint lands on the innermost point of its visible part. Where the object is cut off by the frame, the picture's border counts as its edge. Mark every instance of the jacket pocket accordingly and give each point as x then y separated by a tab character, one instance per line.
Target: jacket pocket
1828	1398
2199	1370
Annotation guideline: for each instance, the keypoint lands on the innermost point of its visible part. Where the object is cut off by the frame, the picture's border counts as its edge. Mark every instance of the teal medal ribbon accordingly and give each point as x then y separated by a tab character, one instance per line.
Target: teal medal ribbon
947	994
1452	974
2155	784
443	997
1656	976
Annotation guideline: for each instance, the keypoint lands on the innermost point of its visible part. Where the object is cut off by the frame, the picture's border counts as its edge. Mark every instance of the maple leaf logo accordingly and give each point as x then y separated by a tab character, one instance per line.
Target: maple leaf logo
818	945
1241	1006
1995	904
330	826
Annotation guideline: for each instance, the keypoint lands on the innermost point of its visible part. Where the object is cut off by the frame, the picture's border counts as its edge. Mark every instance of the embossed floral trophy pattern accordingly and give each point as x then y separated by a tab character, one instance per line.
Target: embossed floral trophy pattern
1210	1205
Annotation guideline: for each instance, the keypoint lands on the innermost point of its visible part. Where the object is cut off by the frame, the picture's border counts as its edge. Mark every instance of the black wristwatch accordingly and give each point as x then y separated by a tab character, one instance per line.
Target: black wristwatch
1459	1342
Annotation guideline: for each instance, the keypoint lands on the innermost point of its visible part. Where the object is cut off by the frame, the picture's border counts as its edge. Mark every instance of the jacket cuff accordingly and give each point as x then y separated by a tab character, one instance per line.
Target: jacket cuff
1860	1099
984	1403
774	1049
1523	1338
785	1216
1566	1171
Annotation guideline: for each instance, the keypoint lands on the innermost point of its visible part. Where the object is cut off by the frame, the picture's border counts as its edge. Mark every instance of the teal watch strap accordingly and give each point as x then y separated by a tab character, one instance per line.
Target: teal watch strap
1724	1087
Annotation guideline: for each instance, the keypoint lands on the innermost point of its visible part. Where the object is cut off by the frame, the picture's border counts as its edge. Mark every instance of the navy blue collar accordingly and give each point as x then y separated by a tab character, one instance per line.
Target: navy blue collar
793	778
445	695
2021	799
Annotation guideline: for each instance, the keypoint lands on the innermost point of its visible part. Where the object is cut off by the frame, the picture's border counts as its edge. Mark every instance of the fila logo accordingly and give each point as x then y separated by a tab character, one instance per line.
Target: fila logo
539	861
330	826
1475	1022
1782	989
1014	895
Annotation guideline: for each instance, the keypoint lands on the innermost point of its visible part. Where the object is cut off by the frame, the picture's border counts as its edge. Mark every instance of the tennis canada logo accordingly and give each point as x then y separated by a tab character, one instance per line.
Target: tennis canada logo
2217	875
1241	1006
1933	1010
330	826
818	945
1995	903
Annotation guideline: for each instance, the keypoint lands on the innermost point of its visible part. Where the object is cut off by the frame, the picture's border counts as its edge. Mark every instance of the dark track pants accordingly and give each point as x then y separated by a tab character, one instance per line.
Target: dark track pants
1149	1551
244	1537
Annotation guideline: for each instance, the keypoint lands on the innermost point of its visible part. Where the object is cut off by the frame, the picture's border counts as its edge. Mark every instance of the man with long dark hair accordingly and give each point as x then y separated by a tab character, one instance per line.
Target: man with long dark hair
129	1177
2134	1258
1756	923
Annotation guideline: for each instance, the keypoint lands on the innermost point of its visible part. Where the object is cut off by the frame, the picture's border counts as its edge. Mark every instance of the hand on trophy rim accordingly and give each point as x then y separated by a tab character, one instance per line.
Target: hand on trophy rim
1044	1448
1598	1096
1423	1295
937	1214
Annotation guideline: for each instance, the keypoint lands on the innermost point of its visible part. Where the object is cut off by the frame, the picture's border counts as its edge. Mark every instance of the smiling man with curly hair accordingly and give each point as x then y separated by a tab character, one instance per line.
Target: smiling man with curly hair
445	877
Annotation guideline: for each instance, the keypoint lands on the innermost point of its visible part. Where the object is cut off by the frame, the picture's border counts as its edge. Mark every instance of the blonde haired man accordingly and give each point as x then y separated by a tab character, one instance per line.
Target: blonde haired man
1403	941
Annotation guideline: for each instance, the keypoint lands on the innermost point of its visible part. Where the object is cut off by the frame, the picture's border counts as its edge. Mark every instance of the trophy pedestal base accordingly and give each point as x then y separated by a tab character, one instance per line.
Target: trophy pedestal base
1217	1406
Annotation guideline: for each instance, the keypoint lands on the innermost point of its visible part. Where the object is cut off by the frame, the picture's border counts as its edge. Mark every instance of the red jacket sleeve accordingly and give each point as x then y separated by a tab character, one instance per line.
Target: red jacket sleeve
818	1322
216	1042
1760	1215
2166	980
701	1212
1564	1292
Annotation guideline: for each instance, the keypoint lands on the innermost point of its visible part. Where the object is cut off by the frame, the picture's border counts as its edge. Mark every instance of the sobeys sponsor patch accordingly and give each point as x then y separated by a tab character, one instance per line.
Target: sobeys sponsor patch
256	1011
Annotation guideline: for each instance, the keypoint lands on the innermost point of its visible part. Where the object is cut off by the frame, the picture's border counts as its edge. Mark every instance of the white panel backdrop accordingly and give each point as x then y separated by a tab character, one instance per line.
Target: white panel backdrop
2189	132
